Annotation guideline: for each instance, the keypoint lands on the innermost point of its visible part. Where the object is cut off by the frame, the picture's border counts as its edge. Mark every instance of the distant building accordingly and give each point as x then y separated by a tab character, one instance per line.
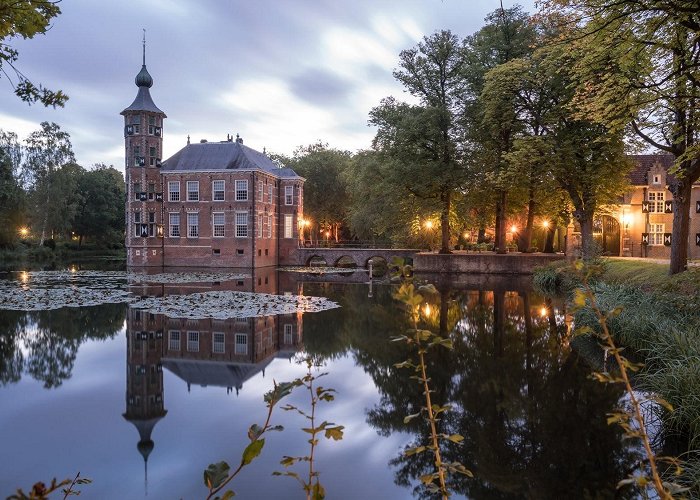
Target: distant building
212	204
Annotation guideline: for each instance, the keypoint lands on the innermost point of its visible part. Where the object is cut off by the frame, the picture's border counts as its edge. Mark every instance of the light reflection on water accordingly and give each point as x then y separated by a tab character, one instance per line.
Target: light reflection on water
106	391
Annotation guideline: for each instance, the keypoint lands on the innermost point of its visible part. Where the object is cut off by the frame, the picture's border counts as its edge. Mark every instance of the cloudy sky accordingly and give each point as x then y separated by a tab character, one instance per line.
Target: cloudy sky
281	73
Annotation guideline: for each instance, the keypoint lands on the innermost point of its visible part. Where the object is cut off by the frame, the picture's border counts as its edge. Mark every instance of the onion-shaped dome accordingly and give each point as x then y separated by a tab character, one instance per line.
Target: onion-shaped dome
144	79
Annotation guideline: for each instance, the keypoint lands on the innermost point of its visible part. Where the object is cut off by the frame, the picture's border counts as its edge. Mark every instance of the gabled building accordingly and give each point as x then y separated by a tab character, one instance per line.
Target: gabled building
212	204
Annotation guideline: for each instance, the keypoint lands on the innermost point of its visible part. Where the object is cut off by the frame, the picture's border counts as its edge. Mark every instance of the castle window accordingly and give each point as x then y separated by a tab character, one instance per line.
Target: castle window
136	123
218	191
260	226
192	190
173	191
260	190
656	201
217	343
242	190
289	195
174	340
288	334
269	226
241	343
152	156
241	224
137	191
287	225
193	341
193	225
151	224
174	219
269	193
218	225
137	223
656	179
151	125
656	234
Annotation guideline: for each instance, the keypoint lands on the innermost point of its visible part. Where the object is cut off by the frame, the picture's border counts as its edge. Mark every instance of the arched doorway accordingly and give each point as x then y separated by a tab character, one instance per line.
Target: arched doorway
606	233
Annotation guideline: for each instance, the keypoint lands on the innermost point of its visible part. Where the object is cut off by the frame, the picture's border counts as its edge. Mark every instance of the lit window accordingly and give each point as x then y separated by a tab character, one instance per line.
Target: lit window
289	195
174	223
287	225
656	201
217	189
192	190
242	190
656	234
173	191
174	340
241	224
219	225
241	343
217	343
193	341
193	225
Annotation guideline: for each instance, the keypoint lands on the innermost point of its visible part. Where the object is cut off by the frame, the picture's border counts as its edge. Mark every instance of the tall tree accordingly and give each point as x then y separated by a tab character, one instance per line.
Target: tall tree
46	151
26	19
12	198
424	140
640	70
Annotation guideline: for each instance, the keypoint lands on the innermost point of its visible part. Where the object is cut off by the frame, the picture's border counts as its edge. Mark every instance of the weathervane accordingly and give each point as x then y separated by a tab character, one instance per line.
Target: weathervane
144	46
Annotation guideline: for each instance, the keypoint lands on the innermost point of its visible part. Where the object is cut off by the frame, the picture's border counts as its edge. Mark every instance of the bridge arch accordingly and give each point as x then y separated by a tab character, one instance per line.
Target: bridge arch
316	260
345	261
380	266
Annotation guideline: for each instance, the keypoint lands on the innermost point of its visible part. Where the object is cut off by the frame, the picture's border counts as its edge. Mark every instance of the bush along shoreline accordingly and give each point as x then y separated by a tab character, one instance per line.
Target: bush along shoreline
659	324
51	255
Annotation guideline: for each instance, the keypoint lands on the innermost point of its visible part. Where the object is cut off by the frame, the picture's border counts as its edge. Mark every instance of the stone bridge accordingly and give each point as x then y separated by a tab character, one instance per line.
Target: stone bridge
360	256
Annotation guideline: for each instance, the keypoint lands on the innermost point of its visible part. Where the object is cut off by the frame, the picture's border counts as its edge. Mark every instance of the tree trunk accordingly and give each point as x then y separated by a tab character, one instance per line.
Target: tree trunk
497	229
549	237
681	222
588	250
501	229
481	235
525	239
80	242
445	221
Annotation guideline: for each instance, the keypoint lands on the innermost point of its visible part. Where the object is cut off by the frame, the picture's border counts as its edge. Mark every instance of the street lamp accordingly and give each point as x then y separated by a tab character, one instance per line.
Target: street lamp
23	232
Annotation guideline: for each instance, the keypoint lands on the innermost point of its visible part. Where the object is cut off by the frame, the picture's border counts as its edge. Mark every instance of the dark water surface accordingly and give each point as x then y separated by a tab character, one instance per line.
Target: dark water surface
141	403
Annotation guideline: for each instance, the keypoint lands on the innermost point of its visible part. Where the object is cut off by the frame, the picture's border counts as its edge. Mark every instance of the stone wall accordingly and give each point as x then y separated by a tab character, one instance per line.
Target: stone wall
482	263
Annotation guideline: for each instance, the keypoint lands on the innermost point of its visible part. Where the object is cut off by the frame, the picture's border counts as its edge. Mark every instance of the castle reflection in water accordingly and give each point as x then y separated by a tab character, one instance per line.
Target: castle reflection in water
205	352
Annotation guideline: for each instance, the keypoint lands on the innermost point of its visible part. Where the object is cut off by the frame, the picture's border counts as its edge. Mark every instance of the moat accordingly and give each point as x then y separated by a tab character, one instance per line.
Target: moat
141	402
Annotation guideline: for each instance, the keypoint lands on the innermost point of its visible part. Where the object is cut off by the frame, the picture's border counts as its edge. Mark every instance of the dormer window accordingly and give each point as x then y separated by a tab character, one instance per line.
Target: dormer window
656	179
136	124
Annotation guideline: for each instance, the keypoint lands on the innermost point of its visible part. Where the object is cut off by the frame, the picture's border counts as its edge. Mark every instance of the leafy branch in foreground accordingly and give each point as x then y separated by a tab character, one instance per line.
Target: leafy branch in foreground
423	340
630	420
40	491
312	484
218	475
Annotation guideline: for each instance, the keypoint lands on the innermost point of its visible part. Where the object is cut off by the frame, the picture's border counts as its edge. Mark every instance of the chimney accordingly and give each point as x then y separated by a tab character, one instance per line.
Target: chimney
202	141
239	139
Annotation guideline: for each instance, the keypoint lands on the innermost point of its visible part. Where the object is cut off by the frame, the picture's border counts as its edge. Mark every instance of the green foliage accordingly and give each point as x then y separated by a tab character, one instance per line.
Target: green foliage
41	491
12	197
26	19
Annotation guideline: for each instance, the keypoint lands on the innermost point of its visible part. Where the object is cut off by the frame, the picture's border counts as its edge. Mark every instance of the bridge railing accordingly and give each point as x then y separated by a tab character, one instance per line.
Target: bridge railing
346	244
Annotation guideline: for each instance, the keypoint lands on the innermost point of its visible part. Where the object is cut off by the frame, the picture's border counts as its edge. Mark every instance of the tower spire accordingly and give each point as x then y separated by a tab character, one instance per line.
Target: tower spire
144	46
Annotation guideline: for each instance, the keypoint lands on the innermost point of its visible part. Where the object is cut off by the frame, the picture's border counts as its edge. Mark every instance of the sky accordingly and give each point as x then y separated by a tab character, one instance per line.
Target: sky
281	73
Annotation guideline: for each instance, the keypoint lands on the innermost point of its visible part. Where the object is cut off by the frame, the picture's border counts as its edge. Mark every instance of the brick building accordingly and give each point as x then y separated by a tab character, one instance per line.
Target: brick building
212	204
641	225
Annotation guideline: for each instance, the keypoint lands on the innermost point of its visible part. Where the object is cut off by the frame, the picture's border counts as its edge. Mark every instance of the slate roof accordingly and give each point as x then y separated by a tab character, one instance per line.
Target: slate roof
642	164
143	102
225	155
213	373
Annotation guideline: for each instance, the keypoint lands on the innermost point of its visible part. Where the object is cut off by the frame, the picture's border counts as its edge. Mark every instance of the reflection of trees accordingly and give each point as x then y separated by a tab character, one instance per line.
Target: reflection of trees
44	344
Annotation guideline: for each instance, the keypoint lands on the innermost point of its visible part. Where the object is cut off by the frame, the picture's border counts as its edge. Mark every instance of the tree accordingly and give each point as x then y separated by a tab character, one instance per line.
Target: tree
99	212
639	72
423	141
47	151
12	198
26	19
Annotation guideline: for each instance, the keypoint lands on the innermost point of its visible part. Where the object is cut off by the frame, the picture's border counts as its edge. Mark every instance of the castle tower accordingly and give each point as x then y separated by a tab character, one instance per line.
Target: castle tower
143	141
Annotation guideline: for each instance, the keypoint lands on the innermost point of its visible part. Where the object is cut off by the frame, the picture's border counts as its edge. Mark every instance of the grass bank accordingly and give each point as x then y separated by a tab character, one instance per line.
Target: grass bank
660	321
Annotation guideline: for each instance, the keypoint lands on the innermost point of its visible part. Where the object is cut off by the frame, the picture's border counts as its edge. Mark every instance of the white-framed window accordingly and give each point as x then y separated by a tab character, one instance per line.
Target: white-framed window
218	345
174	340
218	190
656	201
288	334
136	123
260	226
174	225
137	223
193	341
269	226
288	219
656	179
173	191
193	225
241	343
656	234
269	193
137	191
260	190
289	195
219	224
241	224
192	190
242	190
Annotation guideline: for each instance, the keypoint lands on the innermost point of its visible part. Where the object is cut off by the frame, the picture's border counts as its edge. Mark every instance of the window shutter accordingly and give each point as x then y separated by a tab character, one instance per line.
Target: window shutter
645	238
667	239
144	230
157	131
143	196
668	206
159	196
645	207
129	130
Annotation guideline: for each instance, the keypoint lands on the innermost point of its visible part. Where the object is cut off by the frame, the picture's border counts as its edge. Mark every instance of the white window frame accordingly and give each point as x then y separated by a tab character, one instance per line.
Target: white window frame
193	224
192	190
656	234
288	226
172	232
215	192
269	193
288	334
289	195
260	226
269	226
656	201
260	190
218	229
192	341
218	343
173	190
174	339
241	224
241	346
656	179
241	189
